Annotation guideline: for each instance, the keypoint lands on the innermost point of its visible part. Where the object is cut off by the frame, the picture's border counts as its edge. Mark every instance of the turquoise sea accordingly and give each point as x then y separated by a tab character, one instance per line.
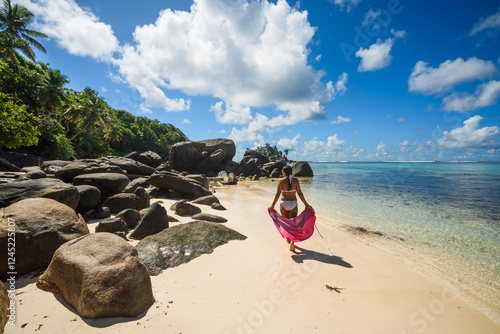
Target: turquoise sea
441	218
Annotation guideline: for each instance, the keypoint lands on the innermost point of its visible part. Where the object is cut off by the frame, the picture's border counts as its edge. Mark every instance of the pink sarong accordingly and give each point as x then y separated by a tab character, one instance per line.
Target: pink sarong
296	229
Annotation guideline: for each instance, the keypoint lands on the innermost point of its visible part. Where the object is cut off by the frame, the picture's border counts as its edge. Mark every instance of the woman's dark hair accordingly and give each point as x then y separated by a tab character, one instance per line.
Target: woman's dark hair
288	173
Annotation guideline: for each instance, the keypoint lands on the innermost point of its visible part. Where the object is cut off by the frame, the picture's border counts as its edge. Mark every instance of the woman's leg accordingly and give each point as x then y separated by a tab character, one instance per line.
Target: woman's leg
289	214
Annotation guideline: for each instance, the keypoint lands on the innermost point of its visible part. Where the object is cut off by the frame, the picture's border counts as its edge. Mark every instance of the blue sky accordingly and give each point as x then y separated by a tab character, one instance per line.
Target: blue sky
328	80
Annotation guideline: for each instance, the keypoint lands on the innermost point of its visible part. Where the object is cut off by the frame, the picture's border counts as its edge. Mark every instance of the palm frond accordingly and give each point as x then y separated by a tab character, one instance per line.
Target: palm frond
35	43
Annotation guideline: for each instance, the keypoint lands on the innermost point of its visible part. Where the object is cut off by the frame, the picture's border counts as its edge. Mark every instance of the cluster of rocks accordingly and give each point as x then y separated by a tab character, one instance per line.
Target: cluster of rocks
214	159
48	205
101	274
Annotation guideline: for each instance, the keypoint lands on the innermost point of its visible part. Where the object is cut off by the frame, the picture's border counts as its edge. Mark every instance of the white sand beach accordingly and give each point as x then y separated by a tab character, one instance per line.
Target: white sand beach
259	286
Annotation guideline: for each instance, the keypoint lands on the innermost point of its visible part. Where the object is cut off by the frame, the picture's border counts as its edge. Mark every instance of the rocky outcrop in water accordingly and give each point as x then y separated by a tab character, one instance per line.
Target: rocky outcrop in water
302	168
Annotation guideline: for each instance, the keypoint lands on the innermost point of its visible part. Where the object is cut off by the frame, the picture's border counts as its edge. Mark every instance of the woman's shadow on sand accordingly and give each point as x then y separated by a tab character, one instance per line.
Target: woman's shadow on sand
302	254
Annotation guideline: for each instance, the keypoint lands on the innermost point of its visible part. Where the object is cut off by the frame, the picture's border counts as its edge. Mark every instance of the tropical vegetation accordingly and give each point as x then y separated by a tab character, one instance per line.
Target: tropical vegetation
41	115
272	152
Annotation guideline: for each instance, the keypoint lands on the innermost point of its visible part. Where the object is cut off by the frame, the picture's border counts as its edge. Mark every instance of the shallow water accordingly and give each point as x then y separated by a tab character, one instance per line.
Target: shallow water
441	218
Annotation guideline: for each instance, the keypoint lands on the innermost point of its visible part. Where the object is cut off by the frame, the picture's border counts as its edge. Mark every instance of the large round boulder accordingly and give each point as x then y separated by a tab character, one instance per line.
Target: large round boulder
89	197
201	156
150	158
302	168
47	188
108	183
99	275
41	225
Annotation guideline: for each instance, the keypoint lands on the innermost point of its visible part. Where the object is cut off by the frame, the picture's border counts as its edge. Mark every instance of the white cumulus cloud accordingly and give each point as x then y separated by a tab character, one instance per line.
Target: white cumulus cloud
75	29
289	144
246	53
231	115
331	146
354	151
404	146
376	56
489	22
470	136
341	120
429	80
486	95
261	123
381	150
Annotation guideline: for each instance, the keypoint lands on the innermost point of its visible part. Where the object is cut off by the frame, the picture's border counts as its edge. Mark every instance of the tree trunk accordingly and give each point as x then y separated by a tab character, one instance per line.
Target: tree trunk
81	130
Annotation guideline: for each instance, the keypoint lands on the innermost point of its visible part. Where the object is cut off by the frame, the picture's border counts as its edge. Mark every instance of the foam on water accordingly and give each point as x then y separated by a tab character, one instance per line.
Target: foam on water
441	218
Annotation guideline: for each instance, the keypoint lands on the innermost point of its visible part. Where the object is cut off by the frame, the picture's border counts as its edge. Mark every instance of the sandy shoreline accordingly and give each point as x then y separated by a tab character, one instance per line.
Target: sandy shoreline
258	286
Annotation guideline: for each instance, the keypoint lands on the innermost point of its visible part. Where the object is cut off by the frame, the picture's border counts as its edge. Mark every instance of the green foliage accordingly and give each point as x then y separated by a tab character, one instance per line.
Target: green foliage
271	152
21	81
43	117
18	127
91	145
52	92
59	147
14	21
143	134
87	110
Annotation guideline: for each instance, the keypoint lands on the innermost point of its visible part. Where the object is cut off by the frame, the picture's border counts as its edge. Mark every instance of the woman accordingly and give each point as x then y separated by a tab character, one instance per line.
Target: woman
288	188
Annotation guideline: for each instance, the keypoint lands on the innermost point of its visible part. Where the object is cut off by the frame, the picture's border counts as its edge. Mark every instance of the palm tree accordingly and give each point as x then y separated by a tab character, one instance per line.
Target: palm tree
88	110
14	21
52	91
114	132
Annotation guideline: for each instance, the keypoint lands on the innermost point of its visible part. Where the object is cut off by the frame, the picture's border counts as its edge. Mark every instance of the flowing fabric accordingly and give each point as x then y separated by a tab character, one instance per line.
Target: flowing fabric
296	229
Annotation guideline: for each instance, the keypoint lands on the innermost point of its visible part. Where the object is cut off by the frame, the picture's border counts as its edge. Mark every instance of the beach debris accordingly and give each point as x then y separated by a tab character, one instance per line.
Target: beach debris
334	288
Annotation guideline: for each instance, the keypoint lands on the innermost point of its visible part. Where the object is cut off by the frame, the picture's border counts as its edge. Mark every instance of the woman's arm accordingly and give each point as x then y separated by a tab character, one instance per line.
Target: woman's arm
277	196
301	196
